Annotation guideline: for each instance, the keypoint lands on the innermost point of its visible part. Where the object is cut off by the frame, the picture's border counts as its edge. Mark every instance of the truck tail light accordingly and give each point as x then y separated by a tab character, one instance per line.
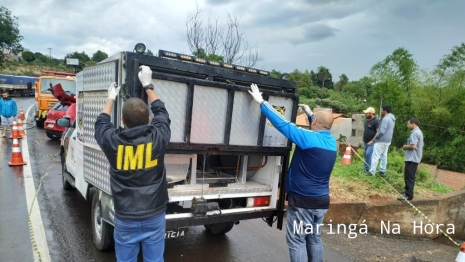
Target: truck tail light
258	201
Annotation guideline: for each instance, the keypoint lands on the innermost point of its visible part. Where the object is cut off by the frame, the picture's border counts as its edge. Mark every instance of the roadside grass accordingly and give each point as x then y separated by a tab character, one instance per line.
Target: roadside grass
351	183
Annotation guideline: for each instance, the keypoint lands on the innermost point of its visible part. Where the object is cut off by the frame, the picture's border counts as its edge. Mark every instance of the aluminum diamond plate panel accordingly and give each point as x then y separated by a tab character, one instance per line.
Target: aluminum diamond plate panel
209	115
218	191
97	169
273	137
93	103
174	95
99	77
245	120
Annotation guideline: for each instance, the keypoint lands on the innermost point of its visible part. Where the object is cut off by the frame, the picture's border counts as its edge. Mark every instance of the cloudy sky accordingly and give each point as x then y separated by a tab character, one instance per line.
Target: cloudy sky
345	36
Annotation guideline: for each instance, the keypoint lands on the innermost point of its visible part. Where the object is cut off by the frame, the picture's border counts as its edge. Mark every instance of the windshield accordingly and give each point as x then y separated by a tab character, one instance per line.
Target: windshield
69	86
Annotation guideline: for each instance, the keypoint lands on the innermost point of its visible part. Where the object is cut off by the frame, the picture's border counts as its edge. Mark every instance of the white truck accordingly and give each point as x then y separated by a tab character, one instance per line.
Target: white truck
225	162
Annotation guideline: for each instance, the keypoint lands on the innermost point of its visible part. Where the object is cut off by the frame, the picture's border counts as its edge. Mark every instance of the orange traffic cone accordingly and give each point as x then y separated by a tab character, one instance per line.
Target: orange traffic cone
16	156
15	131
461	255
346	158
21	114
21	128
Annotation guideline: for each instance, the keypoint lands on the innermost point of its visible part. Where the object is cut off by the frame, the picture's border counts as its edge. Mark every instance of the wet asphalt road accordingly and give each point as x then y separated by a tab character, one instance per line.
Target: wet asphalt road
66	219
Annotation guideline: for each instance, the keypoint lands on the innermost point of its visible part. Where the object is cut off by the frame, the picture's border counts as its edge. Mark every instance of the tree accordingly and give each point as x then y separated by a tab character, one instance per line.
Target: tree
28	56
453	66
302	79
149	52
99	56
324	77
42	58
212	57
218	39
82	57
313	77
275	74
9	34
395	79
343	80
354	88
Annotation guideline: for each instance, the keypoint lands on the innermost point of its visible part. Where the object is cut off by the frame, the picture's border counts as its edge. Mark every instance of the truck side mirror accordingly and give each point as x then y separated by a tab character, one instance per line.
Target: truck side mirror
63	122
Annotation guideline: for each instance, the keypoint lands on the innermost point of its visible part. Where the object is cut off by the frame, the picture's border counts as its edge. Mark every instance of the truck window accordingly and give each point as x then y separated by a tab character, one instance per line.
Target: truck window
69	86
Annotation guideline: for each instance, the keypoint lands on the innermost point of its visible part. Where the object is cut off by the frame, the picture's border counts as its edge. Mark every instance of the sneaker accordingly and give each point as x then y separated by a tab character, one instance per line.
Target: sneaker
382	174
403	198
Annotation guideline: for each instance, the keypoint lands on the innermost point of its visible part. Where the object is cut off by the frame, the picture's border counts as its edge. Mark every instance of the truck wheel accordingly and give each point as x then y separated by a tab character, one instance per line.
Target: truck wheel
66	184
219	228
51	136
102	232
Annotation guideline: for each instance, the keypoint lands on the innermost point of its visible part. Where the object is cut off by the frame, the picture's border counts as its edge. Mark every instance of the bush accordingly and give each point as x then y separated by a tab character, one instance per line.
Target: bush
396	160
423	174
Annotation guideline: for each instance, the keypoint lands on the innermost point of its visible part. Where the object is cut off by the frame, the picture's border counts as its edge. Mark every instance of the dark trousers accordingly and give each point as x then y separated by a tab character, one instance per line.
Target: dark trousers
409	177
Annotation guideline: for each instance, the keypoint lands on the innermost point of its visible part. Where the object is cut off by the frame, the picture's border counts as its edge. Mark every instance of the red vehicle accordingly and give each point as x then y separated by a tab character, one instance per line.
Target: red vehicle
65	107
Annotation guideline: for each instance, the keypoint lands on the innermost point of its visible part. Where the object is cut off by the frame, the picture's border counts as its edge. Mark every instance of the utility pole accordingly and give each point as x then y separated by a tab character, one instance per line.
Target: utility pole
50	50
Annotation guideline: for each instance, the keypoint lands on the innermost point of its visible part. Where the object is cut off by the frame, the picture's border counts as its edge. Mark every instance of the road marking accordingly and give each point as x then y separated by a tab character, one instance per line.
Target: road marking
35	218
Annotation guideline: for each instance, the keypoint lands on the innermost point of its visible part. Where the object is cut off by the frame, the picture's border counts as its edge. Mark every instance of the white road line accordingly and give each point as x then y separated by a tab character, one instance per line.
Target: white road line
27	111
36	219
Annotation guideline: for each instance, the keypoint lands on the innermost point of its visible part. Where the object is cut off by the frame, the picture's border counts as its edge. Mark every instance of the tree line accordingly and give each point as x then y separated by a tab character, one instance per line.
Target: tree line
436	97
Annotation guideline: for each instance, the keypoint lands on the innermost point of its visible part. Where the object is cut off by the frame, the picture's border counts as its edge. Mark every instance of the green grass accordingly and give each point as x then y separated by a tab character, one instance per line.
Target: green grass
345	177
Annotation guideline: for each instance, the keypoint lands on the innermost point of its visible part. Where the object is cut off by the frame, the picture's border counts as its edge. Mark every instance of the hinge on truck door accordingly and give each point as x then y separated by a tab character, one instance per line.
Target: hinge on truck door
126	92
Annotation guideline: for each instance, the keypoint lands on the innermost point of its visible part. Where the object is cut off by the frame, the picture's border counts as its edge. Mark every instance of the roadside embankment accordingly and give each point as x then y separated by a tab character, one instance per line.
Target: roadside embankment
447	212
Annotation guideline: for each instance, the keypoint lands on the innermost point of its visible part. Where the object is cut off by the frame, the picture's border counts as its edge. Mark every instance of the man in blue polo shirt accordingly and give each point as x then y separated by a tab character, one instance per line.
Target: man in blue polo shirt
413	153
307	182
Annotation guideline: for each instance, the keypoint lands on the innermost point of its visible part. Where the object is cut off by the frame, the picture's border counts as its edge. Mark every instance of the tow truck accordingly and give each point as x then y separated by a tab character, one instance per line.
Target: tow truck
225	163
44	99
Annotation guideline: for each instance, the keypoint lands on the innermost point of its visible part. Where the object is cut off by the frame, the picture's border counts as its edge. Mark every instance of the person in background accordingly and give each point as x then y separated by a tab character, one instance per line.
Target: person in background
8	111
370	128
307	182
382	141
413	153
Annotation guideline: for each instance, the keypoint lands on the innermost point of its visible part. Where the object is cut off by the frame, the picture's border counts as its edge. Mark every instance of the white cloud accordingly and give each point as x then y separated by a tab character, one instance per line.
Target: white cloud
345	36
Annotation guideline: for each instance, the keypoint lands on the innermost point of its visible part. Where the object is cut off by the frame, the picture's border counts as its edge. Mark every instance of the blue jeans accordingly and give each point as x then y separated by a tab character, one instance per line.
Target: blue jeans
368	152
304	246
380	150
131	235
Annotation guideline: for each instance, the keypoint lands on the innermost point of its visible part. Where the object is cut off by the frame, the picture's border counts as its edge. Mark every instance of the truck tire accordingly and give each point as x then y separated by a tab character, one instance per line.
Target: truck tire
51	136
102	232
66	184
219	228
40	123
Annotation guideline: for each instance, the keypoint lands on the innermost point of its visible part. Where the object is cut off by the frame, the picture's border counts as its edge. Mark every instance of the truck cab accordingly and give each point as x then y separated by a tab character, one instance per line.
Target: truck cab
44	99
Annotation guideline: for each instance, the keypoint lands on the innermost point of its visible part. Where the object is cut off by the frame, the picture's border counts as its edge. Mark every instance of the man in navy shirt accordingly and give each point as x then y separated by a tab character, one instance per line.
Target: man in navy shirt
307	182
369	131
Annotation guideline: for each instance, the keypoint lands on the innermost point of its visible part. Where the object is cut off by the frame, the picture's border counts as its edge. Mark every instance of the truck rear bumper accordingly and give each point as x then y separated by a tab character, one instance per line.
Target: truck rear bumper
213	219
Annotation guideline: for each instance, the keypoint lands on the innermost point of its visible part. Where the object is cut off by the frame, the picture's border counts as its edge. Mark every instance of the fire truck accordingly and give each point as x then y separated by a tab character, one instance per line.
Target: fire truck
225	163
44	100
